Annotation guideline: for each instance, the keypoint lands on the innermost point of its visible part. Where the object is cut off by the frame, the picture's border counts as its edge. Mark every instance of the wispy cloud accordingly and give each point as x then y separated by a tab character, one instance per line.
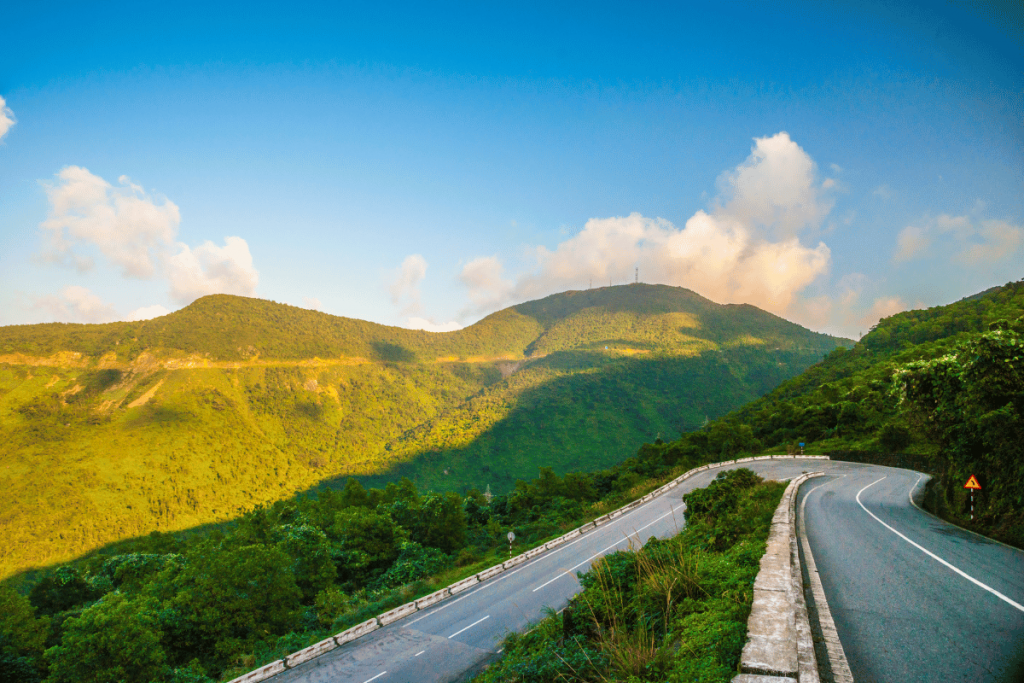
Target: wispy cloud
77	304
910	242
405	288
965	240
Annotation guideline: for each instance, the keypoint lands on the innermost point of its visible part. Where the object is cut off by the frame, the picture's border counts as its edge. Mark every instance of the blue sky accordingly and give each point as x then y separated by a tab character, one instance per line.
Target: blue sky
426	165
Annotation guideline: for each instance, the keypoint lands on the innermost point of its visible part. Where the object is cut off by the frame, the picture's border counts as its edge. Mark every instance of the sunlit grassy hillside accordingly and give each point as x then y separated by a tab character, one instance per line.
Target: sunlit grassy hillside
116	430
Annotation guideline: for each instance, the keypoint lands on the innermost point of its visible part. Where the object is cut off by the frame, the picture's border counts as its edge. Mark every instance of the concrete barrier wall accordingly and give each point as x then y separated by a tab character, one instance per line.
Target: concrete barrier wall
397	613
358	631
488	573
463	585
433	598
262	673
313	651
310	652
779	645
518	559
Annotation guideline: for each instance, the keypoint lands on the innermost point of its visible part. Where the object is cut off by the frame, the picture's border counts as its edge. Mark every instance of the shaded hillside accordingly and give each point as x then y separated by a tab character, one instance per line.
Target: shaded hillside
116	430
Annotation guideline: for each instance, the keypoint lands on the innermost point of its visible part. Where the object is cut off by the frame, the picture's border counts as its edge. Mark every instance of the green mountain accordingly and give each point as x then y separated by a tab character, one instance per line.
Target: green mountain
113	431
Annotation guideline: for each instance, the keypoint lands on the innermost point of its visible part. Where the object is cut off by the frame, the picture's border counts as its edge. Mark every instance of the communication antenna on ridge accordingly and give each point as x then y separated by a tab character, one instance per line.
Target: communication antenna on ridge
636	277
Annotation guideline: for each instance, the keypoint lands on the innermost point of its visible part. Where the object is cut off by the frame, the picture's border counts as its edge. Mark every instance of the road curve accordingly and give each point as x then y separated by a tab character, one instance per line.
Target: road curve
440	644
913	598
901	614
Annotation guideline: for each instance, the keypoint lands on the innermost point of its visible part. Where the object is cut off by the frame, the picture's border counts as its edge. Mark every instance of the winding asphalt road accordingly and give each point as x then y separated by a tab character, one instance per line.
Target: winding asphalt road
906	616
913	598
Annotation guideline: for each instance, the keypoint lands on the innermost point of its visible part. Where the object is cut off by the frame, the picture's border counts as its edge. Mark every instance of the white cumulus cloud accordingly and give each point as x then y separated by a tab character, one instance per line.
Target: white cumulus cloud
883	307
746	249
6	118
128	226
146	313
210	269
137	233
312	303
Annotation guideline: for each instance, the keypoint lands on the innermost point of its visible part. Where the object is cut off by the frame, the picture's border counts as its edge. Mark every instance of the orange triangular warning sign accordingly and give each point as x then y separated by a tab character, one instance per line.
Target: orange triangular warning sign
972	483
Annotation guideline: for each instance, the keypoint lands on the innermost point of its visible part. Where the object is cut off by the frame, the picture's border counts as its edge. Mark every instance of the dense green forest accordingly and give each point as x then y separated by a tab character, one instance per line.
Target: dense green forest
113	431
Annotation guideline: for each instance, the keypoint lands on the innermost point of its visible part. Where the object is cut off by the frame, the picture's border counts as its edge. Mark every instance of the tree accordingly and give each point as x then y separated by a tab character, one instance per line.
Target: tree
354	494
22	637
60	591
310	551
114	640
364	540
443	522
227	599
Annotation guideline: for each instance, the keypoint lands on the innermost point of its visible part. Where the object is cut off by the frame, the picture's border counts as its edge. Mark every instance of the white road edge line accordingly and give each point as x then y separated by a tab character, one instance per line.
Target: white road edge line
419	653
935	557
836	655
467	628
637	532
910	494
375	677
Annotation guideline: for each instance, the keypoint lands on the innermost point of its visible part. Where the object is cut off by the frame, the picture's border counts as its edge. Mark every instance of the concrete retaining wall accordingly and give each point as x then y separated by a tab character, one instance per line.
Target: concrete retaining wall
269	670
779	646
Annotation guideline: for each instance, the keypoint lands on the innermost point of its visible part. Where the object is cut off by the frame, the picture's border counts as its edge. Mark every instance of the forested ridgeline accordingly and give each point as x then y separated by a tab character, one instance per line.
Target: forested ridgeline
229	403
223	327
212	604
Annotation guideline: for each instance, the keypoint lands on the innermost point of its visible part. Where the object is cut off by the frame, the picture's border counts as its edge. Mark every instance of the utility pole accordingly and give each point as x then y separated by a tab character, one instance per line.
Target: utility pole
636	277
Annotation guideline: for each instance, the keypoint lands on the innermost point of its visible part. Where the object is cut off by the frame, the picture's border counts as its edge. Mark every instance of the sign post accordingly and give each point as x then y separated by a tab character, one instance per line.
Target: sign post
973	485
511	537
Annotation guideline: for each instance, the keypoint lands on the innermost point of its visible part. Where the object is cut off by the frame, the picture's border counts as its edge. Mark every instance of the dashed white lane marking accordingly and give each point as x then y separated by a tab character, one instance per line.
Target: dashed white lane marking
375	677
935	557
419	653
567	572
469	627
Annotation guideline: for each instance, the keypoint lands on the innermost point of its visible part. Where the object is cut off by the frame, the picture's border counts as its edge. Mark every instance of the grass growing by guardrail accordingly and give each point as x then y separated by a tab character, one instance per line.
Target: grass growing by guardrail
672	610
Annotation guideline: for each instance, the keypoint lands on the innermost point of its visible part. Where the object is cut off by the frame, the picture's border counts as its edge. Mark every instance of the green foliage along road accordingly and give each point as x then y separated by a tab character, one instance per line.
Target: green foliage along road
113	431
674	610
